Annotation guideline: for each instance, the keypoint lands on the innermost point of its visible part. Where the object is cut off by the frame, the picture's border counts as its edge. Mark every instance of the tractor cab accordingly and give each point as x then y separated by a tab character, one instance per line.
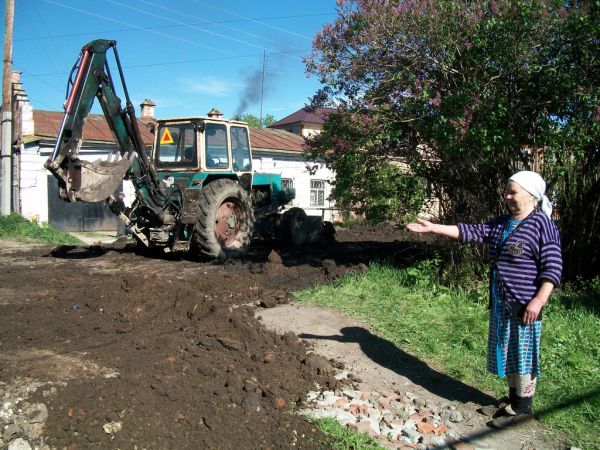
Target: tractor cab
206	144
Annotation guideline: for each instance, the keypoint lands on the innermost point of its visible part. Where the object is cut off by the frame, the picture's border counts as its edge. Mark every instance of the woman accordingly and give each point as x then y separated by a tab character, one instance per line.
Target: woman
526	265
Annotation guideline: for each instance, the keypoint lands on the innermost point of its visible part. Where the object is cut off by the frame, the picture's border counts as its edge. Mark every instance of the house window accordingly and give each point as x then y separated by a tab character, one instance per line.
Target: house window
317	192
287	183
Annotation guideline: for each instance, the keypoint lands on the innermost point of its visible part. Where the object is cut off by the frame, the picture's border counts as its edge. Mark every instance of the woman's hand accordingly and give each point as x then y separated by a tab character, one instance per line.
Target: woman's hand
420	226
532	311
425	226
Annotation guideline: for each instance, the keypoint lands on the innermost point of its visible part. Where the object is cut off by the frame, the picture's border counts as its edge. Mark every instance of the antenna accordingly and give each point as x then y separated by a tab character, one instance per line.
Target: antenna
262	86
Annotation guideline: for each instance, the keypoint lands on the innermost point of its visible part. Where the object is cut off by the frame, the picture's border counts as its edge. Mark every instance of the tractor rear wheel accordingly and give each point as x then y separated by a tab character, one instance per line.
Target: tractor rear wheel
225	220
294	226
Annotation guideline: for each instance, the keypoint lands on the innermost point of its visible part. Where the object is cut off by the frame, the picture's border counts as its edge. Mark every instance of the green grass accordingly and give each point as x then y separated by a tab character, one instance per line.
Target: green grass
18	228
345	438
448	330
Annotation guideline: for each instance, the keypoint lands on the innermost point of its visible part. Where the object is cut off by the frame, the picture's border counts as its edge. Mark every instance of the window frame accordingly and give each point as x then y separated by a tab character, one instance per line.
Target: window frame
317	190
240	151
180	147
291	182
205	149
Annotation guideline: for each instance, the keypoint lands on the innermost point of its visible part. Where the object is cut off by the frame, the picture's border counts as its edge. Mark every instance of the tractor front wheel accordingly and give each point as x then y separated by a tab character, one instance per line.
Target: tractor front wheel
225	220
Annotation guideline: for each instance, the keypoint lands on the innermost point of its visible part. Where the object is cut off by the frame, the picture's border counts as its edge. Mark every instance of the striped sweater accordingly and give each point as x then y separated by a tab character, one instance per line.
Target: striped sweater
530	255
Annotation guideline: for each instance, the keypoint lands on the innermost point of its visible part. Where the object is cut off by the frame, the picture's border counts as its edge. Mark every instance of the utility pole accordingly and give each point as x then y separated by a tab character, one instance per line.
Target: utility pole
6	181
262	86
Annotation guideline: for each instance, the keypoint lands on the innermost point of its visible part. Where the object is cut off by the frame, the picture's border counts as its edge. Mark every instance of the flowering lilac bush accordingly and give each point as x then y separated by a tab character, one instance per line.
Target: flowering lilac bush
465	93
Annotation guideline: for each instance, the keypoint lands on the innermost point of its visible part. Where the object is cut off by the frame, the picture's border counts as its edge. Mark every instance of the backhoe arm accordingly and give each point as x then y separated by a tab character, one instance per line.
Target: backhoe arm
95	181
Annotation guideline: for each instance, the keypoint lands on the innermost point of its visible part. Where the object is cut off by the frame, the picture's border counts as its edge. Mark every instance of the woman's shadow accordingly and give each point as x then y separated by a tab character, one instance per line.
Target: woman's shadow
386	354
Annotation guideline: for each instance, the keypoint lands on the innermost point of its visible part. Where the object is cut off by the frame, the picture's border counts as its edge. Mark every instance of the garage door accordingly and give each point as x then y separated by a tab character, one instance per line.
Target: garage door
79	216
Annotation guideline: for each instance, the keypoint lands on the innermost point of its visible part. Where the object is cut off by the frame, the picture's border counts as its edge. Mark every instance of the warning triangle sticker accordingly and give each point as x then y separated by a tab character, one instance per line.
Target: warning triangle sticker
166	137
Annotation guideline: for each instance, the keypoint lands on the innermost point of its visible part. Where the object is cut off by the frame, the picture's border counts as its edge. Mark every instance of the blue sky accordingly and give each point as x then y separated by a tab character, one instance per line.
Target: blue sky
188	56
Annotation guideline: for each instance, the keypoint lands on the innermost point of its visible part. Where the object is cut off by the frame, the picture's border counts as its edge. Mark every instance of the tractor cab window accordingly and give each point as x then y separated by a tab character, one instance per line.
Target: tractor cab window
217	155
240	148
176	145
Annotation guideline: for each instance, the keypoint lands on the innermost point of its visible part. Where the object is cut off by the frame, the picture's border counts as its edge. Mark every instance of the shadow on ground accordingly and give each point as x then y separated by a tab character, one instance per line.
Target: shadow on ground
386	354
396	253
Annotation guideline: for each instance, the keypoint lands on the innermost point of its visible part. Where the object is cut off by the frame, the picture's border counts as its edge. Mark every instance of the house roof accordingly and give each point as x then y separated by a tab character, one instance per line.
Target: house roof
47	124
318	116
270	139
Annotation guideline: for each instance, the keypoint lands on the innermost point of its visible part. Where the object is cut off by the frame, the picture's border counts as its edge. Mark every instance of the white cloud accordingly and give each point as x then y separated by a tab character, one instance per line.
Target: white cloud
207	85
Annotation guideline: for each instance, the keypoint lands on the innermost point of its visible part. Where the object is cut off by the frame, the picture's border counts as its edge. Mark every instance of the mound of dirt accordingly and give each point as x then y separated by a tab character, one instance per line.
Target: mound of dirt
138	350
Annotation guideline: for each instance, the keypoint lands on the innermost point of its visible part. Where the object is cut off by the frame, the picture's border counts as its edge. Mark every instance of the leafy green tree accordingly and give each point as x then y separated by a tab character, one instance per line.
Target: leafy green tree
572	159
254	121
368	182
466	93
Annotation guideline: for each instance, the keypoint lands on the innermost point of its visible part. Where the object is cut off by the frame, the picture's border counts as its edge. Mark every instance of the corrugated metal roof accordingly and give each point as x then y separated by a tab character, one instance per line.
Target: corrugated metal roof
270	139
318	116
47	124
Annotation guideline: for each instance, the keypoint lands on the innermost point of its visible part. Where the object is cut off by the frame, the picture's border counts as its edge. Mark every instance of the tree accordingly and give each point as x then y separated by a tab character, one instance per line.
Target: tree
254	121
368	182
573	153
466	93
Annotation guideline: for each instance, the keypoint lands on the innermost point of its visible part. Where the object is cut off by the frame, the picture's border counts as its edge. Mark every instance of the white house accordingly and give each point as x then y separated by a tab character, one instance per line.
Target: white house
277	151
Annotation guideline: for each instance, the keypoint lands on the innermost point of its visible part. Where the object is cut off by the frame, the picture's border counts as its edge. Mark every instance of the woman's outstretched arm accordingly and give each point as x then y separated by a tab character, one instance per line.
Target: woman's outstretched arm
426	227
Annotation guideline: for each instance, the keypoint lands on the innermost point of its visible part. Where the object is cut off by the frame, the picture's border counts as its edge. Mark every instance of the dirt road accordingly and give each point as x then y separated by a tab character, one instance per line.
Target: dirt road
105	347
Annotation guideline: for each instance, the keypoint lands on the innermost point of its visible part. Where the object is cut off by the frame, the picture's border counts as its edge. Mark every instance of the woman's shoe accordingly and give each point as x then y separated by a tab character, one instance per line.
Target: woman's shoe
521	411
500	423
496	408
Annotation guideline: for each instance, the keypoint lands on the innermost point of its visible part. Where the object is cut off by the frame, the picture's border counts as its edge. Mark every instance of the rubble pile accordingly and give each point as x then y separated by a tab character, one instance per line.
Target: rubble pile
395	419
22	422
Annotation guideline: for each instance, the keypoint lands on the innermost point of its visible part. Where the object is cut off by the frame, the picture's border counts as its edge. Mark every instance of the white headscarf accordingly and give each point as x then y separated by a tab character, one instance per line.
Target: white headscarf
533	183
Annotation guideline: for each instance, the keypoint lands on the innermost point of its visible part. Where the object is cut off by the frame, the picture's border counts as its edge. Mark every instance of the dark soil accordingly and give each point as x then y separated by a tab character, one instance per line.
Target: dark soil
167	345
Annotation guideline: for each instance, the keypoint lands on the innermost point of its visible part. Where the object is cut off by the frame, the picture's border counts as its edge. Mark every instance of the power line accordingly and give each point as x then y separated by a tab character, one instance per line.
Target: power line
283	30
158	27
27	73
137	27
205	22
185	61
44	41
155	30
56	47
48	107
194	27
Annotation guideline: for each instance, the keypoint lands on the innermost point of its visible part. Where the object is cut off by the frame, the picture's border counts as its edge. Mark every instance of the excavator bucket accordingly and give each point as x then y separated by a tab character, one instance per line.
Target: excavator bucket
93	181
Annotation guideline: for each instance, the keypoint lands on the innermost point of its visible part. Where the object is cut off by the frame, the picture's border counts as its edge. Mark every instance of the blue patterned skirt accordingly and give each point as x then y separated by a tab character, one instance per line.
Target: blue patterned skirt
513	347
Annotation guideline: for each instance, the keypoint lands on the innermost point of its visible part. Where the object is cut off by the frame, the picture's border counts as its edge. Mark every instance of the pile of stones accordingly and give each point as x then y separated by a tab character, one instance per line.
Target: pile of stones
395	419
22	422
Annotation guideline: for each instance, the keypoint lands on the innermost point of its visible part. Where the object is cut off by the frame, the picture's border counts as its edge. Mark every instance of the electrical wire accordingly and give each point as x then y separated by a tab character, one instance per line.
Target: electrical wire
125	30
184	61
153	30
203	30
283	30
35	31
206	22
48	36
110	19
26	72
